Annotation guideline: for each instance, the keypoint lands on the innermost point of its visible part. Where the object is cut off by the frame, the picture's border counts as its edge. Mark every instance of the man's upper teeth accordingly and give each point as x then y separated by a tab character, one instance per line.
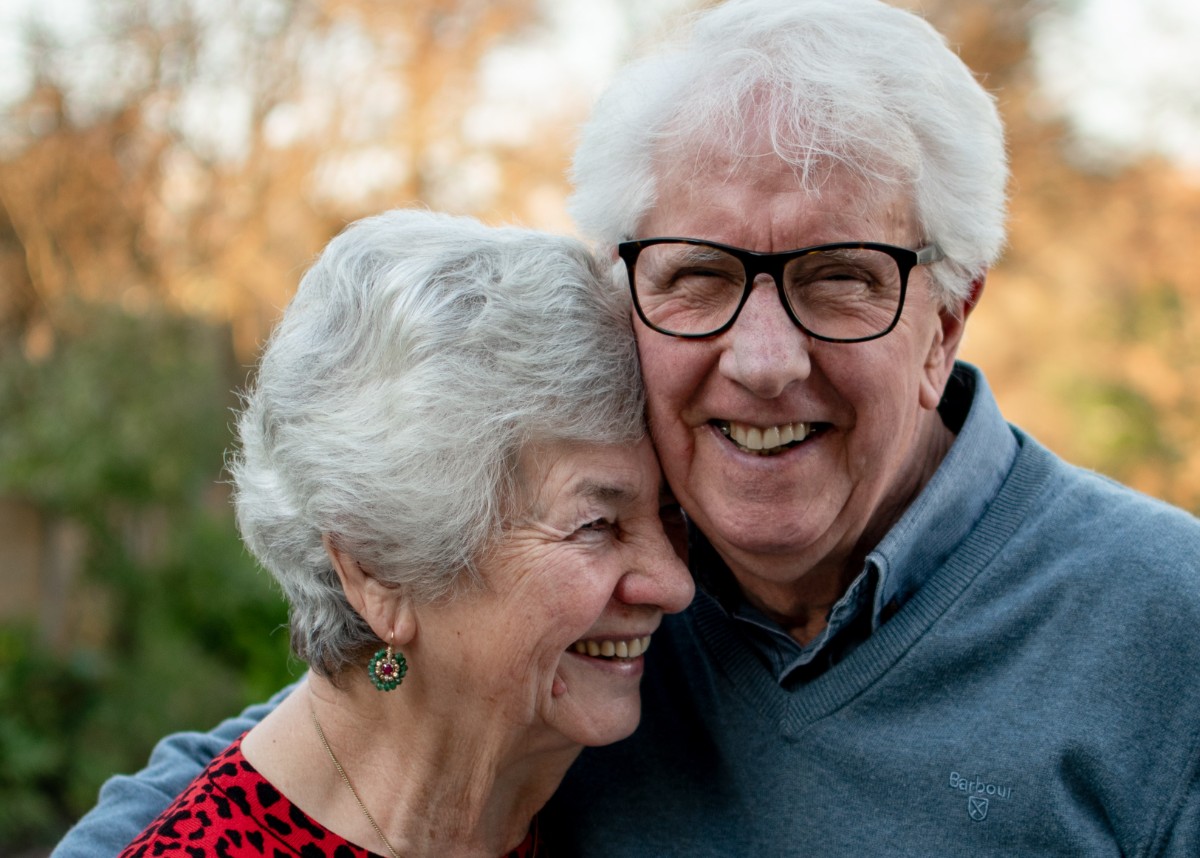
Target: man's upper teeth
754	438
631	648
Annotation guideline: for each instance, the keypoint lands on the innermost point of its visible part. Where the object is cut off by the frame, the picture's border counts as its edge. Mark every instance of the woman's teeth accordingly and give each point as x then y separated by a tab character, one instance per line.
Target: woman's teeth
613	649
765	442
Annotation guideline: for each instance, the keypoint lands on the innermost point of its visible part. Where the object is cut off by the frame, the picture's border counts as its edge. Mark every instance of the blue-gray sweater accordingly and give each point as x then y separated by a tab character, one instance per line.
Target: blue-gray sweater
1035	692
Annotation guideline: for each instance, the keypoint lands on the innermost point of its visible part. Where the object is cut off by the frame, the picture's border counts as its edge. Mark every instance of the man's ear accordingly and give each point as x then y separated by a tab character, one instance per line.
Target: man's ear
943	350
382	605
974	295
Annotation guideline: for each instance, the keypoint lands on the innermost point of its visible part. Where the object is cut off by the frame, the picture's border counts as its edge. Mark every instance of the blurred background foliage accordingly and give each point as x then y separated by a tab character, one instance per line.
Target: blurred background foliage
171	167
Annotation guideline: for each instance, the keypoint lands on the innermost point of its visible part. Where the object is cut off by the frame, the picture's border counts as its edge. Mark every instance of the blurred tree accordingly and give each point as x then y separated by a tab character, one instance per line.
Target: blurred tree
1090	326
197	153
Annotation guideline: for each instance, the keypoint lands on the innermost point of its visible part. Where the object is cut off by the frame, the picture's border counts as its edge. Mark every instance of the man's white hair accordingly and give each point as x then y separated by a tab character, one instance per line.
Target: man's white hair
851	84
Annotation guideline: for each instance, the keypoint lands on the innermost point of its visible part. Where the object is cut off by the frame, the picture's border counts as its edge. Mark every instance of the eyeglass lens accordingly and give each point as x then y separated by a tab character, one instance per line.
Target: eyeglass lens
845	293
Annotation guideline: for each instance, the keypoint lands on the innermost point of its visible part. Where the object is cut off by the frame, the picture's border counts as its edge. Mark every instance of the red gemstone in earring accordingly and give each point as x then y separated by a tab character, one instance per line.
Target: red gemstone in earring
387	669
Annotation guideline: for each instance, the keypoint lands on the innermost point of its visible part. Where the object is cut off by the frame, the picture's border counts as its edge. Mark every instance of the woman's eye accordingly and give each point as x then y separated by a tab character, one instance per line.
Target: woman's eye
599	525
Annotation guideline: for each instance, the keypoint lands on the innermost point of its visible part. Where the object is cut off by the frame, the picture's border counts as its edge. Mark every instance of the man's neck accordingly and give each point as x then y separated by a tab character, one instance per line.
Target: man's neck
798	593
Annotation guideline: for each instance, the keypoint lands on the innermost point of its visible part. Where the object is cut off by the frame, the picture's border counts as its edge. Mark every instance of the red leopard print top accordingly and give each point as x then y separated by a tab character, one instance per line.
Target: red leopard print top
231	811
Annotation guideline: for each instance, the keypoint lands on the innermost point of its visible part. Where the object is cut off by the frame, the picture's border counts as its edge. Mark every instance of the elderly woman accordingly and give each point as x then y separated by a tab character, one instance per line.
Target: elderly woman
443	463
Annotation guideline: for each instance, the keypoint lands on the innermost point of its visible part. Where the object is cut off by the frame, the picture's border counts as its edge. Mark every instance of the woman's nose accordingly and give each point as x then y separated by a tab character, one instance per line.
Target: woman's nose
657	577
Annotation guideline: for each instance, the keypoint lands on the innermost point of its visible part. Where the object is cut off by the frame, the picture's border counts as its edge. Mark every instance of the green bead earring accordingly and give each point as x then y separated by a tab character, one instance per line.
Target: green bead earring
387	669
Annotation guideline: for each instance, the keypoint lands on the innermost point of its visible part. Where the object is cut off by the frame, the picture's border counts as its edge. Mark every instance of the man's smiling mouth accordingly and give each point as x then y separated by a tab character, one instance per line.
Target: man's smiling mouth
770	441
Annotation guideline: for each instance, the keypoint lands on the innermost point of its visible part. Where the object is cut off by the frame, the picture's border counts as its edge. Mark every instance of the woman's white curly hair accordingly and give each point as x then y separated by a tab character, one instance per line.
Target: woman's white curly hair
420	356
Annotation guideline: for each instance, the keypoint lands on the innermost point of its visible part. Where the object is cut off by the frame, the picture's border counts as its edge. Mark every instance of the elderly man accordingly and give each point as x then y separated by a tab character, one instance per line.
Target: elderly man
918	631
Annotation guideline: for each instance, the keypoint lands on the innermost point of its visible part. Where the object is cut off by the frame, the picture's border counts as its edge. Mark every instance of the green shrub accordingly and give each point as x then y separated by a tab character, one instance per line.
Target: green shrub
128	420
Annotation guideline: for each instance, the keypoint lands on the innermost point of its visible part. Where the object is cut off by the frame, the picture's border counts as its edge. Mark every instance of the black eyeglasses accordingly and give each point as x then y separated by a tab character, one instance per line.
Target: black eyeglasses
847	292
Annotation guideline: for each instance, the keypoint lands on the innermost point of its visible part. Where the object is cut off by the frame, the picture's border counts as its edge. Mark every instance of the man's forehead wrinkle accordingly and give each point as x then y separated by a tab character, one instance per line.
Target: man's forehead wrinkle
839	189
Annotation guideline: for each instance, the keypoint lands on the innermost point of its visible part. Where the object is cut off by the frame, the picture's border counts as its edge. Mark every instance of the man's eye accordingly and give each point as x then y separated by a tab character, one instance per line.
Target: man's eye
600	524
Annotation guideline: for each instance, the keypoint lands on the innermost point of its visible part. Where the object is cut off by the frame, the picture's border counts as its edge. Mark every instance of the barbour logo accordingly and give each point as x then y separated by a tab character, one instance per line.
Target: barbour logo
980	793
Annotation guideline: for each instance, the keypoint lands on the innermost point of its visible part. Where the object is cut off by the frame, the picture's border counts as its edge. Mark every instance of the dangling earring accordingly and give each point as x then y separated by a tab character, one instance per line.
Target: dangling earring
387	668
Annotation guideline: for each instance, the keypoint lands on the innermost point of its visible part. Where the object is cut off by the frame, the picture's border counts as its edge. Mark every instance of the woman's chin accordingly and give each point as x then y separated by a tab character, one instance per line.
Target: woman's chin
597	701
604	731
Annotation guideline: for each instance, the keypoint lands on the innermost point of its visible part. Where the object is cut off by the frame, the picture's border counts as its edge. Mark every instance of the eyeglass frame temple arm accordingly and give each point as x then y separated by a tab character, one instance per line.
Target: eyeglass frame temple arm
929	254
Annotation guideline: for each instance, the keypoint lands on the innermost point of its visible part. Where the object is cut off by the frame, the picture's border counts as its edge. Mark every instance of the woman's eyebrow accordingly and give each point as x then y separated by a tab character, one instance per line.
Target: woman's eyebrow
613	493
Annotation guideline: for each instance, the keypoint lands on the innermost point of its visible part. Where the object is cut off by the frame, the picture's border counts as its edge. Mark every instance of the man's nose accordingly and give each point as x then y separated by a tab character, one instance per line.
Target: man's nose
764	351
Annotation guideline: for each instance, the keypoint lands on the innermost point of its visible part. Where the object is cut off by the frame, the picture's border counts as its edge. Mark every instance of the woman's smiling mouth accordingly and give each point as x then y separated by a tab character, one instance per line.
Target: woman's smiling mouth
631	648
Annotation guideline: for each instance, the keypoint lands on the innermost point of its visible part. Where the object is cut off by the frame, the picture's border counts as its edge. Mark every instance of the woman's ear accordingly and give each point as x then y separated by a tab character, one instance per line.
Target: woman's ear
383	606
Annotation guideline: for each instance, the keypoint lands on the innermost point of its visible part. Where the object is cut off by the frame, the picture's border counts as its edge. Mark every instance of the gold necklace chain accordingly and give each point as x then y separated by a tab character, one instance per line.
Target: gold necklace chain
346	780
